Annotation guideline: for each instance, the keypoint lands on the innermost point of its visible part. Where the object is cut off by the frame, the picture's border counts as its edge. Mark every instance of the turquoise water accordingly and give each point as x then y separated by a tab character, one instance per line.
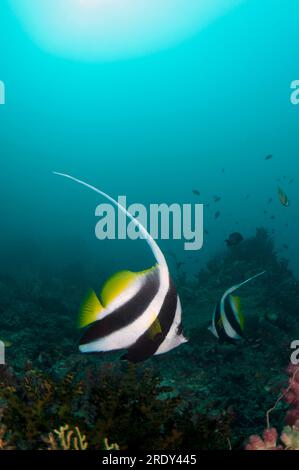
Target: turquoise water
153	128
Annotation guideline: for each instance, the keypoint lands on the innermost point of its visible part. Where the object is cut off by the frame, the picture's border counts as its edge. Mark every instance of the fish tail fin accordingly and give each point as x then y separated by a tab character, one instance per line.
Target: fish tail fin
153	245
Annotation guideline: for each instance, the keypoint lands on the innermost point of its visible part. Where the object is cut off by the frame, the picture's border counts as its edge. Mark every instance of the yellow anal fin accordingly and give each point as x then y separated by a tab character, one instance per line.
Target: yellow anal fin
89	309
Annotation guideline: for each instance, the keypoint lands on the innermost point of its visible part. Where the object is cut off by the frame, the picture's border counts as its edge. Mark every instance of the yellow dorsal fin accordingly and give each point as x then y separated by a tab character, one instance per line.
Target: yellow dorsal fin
117	283
155	329
89	309
237	304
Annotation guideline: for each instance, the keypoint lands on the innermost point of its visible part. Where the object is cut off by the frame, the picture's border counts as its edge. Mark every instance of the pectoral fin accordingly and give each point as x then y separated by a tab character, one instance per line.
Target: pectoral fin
155	329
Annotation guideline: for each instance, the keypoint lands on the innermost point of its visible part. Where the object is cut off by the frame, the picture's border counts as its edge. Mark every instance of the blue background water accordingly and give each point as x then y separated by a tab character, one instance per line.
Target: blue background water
153	128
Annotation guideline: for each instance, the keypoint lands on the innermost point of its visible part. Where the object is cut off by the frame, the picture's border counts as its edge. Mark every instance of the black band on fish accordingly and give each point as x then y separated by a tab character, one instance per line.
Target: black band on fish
231	316
146	346
222	335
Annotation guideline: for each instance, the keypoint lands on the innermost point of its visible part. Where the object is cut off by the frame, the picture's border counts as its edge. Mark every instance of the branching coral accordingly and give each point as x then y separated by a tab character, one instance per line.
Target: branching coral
108	446
66	439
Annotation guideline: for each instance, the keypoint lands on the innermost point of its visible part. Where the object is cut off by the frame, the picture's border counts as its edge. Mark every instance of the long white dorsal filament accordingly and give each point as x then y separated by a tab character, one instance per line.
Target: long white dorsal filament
232	289
153	245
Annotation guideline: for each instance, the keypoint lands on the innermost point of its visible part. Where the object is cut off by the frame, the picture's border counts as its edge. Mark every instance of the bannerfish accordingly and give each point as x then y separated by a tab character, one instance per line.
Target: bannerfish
234	239
196	192
283	197
217	198
268	157
228	319
136	311
216	215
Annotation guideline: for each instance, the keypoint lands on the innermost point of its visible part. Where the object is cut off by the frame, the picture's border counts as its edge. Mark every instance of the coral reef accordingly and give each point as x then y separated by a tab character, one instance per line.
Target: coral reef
291	395
131	407
289	439
203	395
290	433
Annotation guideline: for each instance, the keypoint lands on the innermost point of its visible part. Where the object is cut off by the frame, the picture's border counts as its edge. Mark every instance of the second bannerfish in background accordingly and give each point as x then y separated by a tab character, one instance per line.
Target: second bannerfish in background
228	319
136	311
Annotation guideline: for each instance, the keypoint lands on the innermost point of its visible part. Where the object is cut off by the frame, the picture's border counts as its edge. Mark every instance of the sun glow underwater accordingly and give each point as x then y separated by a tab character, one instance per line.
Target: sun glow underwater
105	30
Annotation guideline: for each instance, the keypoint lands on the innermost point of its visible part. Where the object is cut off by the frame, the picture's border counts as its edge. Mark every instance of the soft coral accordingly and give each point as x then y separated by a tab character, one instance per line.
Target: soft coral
291	395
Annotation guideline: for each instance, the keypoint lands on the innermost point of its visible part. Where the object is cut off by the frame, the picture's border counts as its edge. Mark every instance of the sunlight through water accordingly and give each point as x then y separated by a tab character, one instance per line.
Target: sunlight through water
95	30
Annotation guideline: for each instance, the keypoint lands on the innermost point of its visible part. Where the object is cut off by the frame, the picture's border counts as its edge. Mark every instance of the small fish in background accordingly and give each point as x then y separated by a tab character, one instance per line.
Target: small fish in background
269	157
291	181
247	197
228	319
217	198
136	311
196	192
207	205
270	200
223	170
272	217
234	239
216	215
285	246
283	197
265	212
206	232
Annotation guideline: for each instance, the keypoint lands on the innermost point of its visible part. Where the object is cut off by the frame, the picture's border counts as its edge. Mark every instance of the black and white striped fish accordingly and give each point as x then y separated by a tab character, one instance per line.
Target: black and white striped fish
228	319
139	312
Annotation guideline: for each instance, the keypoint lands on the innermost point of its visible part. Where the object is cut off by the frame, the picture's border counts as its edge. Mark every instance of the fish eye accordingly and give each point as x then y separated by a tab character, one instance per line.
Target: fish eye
179	329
